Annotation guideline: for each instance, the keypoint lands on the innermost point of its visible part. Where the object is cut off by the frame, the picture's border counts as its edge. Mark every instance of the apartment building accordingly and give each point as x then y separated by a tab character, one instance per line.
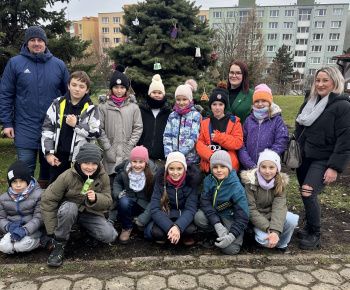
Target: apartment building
86	29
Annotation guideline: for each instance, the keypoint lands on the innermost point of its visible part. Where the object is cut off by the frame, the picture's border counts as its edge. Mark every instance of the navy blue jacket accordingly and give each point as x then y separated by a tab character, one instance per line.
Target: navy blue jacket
182	201
28	87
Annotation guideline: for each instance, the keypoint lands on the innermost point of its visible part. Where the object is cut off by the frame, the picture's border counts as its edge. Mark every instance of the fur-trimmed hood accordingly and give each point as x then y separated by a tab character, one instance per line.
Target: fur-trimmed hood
193	176
249	176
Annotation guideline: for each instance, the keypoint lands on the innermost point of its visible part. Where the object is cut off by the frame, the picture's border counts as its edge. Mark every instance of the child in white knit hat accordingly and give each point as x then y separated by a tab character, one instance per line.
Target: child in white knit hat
183	126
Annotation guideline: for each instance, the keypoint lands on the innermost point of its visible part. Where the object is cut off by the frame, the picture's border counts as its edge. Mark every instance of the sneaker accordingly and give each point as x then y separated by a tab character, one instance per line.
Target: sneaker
302	233
188	241
285	250
209	242
125	236
311	242
89	240
46	242
56	257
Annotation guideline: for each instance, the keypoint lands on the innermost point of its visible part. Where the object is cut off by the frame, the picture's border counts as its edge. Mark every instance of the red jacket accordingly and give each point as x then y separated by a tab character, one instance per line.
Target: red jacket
230	141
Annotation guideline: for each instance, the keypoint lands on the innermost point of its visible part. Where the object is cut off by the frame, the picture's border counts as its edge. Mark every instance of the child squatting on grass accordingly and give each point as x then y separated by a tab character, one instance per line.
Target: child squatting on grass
20	217
223	206
65	202
265	188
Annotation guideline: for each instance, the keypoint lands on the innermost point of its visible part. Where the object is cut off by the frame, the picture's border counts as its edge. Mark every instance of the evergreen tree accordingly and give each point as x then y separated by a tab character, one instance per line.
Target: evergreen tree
151	42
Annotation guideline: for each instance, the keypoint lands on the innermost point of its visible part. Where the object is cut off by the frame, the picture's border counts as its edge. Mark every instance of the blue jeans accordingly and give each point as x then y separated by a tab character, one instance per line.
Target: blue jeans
29	156
290	223
127	209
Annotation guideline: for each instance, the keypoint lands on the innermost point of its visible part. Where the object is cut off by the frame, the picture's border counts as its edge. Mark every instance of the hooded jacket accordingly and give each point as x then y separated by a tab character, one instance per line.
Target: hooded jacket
67	187
271	133
121	129
225	198
28	86
328	138
266	210
182	201
86	130
27	210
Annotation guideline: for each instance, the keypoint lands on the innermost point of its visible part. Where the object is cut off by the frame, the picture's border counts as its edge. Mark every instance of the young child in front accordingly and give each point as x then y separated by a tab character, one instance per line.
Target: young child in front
70	122
265	187
219	131
174	202
121	122
223	206
264	128
183	126
132	190
78	196
20	217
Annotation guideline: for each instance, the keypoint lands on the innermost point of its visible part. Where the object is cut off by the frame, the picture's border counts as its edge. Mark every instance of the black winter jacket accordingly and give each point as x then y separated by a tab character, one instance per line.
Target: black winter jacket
328	138
153	129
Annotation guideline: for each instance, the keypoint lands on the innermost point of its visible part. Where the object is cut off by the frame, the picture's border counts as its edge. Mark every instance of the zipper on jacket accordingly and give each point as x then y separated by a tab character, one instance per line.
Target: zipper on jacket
217	189
177	202
178	135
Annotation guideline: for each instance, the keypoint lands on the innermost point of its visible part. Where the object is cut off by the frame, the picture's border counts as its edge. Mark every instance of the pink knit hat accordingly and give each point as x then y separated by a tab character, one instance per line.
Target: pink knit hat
139	153
187	89
262	92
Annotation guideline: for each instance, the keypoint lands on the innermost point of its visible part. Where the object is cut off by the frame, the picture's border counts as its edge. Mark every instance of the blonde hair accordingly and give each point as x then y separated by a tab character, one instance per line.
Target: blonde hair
336	77
280	187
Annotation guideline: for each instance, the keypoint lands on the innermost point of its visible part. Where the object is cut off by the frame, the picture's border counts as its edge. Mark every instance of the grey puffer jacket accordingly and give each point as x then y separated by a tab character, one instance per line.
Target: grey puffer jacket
27	210
266	210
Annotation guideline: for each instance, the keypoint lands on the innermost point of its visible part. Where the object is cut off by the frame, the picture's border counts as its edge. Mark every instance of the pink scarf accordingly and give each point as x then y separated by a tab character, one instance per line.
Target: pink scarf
176	183
184	110
117	101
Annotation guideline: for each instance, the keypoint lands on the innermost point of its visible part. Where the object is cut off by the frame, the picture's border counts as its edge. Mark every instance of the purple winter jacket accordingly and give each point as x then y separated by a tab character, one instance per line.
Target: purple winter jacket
271	133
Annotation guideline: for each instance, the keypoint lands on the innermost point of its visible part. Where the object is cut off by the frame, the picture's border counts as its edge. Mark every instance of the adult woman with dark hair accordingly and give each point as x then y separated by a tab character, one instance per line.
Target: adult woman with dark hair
240	96
323	124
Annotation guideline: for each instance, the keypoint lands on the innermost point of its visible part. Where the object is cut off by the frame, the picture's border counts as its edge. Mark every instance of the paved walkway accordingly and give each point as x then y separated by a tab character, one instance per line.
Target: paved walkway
306	271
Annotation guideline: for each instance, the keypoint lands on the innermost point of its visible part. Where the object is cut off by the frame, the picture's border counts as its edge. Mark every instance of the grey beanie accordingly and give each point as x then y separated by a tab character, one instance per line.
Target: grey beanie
221	157
35	32
89	152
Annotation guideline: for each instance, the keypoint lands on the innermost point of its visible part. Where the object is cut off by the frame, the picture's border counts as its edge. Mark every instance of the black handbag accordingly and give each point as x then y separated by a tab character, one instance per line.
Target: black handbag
292	155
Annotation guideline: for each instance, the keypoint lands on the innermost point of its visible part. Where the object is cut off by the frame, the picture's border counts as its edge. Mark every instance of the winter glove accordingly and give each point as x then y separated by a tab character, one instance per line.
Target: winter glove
18	234
13	225
220	230
225	241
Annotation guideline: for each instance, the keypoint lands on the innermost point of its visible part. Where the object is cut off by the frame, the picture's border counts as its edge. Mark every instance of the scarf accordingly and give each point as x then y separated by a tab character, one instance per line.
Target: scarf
261	114
176	183
117	101
263	183
184	110
17	197
137	181
155	104
312	111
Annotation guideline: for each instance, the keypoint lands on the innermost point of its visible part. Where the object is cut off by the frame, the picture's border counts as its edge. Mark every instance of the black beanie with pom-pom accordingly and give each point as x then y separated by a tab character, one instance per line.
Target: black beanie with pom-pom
119	78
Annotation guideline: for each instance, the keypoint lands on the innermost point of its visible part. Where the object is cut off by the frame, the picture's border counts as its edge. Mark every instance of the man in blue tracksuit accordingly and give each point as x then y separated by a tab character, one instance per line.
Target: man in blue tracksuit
31	81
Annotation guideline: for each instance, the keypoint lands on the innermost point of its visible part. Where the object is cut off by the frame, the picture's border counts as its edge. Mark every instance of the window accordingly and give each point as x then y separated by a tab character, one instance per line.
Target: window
316	48
116	29
304	14
301	41
303	29
270	59
287	36
116	40
105	40
105	19
312	71
274	13
318	36
331	61
299	64
337	11
288	25
334	36
260	13
289	48
258	25
116	19
335	24
321	12
80	27
333	48
105	29
319	24
273	25
300	53
243	16
105	49
272	36
230	14
80	36
216	14
257	36
229	37
315	60
270	48
289	13
216	37
216	25
229	26
202	18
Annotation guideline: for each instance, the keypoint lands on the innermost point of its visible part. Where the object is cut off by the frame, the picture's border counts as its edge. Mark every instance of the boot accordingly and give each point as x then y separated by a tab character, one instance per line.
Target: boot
302	233
43	183
56	257
312	241
125	236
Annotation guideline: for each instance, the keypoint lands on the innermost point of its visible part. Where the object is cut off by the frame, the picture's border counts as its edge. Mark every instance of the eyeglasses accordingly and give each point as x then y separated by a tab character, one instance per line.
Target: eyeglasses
215	147
237	73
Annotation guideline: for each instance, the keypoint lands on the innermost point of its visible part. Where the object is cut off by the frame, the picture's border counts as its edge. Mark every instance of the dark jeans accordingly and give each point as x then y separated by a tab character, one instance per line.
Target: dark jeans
311	173
127	209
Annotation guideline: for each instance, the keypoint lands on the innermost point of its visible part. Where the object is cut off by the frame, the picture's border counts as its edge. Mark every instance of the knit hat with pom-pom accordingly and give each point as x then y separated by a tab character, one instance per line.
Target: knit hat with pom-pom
156	85
219	94
262	92
119	78
187	89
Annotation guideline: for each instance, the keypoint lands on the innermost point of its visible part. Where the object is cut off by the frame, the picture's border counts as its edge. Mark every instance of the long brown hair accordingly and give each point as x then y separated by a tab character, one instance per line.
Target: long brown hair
164	201
245	76
149	185
280	187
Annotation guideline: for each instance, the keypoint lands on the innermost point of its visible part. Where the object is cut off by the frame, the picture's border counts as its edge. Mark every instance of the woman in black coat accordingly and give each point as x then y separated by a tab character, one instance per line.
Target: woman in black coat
323	122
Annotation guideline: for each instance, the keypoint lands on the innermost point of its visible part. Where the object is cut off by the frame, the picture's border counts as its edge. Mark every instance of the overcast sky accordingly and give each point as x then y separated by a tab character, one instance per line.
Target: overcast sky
77	9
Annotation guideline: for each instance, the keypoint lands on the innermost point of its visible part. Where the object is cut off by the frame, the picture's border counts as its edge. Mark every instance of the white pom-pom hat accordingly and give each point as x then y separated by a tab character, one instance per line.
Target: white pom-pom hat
187	89
156	85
